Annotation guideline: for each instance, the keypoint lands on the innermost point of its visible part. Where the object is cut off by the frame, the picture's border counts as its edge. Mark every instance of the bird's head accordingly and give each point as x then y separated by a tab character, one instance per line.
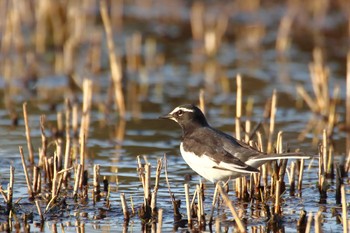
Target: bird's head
187	116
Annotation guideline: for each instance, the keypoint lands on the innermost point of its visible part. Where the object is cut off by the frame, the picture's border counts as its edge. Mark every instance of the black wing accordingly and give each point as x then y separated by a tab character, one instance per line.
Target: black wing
209	142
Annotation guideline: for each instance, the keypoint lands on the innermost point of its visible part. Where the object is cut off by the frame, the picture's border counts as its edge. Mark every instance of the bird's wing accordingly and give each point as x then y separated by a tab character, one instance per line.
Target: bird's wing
239	149
210	145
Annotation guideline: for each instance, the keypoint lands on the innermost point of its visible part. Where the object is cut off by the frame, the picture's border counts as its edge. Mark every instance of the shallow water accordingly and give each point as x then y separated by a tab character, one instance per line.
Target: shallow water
248	48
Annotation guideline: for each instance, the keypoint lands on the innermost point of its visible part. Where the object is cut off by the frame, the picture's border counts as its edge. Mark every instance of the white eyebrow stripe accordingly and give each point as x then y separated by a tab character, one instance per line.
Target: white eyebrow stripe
181	108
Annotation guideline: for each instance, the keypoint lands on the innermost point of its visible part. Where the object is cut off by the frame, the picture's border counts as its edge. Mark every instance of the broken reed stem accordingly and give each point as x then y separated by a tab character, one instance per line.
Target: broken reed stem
324	150
43	138
309	222
301	174
200	210
188	205
156	185
201	101
141	173
85	118
318	222
29	141
344	209
124	207
197	20
158	171
75	124
10	188
238	107
160	221
116	68
82	157
59	123
272	120
39	210
29	185
96	181
66	158
77	178
147	181
278	197
36	180
232	209
215	199
292	178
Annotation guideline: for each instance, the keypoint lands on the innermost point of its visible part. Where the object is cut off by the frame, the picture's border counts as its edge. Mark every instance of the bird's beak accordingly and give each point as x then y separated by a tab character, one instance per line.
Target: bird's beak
168	116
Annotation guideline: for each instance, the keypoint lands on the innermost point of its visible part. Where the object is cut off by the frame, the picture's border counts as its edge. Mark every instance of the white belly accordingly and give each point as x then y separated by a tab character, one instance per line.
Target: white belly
204	166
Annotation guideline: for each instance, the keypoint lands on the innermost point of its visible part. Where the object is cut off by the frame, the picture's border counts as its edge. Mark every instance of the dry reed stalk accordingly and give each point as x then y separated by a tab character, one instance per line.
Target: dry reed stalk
58	153
29	185
319	79
160	221
338	183
278	197
150	53
36	179
132	206
116	68
59	123
200	211
10	188
43	139
318	220
283	34
29	140
82	157
147	181
77	178
291	176
158	172
133	52
39	210
229	204
279	143
301	175
197	20
347	108
247	131
141	172
154	203
75	110
201	100
238	106
188	206
308	224
96	181
177	214
217	225
56	181
307	98
67	159
125	208
272	120
324	150
3	194
87	101
344	210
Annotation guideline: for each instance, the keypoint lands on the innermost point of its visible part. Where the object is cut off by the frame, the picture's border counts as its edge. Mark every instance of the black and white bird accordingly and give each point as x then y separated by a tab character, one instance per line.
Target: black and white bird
213	154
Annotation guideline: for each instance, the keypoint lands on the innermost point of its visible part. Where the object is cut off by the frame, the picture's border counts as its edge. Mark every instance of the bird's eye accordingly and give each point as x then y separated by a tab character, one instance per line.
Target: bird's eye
180	113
